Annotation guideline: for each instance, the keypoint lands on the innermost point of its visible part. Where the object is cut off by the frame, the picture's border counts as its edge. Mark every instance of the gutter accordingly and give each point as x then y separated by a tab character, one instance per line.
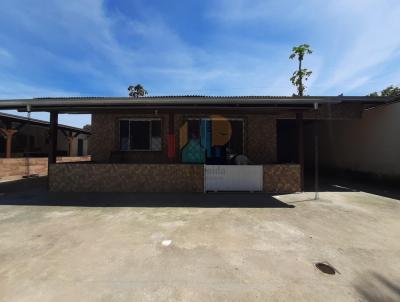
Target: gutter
393	101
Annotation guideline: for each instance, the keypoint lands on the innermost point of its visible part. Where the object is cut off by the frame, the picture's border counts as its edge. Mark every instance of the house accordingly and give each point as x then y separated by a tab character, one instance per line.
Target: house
23	137
193	143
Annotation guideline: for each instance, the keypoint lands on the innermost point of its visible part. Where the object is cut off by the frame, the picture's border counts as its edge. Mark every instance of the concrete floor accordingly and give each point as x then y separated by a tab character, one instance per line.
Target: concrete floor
224	247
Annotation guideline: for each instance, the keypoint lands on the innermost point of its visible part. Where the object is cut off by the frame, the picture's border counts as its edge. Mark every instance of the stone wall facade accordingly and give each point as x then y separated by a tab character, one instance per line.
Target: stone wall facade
105	139
259	137
16	168
90	177
126	178
285	178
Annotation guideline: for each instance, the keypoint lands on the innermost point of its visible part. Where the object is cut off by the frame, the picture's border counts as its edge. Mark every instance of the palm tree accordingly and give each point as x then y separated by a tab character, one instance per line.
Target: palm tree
302	73
137	91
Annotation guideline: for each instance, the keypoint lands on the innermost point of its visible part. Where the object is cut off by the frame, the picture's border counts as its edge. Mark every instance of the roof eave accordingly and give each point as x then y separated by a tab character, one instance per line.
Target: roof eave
182	102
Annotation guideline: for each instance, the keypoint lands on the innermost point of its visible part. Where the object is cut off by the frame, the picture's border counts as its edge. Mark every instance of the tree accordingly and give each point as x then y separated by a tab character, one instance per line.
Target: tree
302	73
87	128
388	91
137	91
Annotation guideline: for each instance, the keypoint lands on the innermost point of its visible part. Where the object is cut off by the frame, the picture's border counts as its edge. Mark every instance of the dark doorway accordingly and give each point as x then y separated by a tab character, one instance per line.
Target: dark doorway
287	141
2	145
80	147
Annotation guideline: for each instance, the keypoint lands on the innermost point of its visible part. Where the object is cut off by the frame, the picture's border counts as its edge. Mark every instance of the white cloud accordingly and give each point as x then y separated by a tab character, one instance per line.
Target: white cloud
5	55
80	38
161	60
371	43
74	36
243	10
353	39
12	89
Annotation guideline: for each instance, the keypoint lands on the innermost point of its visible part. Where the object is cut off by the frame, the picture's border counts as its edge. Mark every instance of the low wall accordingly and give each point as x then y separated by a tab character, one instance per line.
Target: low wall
126	178
90	177
284	178
16	168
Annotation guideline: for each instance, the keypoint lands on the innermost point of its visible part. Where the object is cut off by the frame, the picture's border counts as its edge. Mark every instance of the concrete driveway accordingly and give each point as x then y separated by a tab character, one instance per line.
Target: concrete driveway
219	247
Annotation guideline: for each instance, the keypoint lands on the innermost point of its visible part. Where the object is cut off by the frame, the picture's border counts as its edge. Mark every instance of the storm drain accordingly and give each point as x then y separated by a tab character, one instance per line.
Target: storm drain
325	268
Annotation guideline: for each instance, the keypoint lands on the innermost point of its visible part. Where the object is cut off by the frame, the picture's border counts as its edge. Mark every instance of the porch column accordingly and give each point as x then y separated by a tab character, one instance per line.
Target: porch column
8	133
52	157
70	142
300	130
171	137
70	138
316	159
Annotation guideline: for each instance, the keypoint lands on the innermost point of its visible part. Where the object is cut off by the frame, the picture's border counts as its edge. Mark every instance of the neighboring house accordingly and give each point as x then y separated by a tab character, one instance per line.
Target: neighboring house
30	138
193	143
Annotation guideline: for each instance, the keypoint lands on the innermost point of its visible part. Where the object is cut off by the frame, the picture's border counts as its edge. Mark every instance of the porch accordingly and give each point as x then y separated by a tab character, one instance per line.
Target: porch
167	144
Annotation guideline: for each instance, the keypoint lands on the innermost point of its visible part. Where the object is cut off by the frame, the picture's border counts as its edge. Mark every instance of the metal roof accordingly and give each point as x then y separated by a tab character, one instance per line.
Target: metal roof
85	104
36	122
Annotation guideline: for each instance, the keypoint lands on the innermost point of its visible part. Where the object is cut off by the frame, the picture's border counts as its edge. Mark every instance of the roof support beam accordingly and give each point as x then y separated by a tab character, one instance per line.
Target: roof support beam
316	159
52	156
300	136
171	137
8	133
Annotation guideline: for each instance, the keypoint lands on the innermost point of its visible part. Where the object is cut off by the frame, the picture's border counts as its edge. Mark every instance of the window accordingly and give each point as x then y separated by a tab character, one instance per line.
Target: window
207	140
140	134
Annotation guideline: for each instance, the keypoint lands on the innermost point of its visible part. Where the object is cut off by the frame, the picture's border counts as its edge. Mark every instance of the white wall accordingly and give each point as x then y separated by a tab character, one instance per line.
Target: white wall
370	144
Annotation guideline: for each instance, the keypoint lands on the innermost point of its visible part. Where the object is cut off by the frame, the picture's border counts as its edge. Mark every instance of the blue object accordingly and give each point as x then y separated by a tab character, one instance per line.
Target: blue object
193	152
205	136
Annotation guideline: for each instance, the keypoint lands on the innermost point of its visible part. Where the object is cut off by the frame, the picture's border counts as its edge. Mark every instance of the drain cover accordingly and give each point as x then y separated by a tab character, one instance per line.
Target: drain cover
325	268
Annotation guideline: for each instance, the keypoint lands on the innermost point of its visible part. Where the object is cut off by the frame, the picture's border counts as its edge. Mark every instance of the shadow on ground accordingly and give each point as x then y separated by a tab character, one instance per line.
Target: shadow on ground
34	192
343	183
374	287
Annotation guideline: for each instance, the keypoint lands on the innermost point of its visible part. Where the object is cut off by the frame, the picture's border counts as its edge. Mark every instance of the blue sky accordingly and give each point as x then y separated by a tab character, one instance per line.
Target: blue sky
226	47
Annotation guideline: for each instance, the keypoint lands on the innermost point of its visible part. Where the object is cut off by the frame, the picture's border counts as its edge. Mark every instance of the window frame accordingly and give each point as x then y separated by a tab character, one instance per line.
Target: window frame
139	119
